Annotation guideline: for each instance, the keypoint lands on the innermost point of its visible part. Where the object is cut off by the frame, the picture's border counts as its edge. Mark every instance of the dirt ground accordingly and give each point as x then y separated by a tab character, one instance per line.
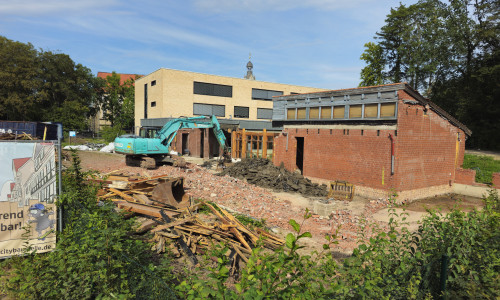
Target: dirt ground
347	217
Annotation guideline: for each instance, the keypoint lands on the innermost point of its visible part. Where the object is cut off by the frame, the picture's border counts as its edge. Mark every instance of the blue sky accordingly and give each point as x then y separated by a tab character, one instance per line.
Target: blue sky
313	43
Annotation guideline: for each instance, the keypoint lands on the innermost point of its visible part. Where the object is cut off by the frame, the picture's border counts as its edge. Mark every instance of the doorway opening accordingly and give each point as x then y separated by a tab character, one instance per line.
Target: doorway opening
299	158
184	149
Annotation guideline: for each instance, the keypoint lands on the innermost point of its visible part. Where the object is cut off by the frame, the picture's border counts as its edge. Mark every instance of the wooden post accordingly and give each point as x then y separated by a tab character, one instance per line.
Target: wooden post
243	144
233	144
264	143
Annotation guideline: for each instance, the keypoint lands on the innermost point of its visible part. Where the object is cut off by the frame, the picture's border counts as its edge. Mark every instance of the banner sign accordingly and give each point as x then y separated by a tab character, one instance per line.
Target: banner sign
27	196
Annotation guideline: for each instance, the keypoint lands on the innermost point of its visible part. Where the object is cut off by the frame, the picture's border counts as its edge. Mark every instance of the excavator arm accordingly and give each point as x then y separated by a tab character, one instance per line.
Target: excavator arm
168	132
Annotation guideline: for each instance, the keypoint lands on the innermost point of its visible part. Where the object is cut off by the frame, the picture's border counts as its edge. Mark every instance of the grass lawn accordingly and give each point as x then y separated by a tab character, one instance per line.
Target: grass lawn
485	166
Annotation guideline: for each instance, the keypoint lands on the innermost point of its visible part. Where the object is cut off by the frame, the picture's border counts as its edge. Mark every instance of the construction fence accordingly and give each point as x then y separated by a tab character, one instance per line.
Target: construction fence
248	144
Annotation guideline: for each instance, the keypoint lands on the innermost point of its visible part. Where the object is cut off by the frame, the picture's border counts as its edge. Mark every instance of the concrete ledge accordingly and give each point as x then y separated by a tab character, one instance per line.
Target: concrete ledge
478	191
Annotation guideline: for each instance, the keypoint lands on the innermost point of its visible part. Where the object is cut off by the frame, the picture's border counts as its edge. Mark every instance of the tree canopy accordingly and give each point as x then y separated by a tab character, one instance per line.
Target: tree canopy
449	51
117	102
39	85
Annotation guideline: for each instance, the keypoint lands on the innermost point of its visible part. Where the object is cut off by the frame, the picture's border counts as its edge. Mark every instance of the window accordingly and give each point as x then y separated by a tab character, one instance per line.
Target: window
211	89
258	94
241	112
387	110
326	112
290	114
355	111
264	113
301	113
293	93
153	103
209	109
371	110
338	112
153	83
314	113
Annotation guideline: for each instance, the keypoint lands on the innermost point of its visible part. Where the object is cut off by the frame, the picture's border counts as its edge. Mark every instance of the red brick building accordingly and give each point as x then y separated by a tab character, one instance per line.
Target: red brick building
379	138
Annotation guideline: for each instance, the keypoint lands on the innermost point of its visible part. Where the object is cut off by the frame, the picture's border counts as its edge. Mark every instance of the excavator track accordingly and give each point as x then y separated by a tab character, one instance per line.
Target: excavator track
140	161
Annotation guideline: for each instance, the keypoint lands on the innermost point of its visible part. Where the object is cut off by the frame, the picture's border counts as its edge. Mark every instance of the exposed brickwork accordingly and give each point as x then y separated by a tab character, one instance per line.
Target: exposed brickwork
200	142
427	150
496	180
465	176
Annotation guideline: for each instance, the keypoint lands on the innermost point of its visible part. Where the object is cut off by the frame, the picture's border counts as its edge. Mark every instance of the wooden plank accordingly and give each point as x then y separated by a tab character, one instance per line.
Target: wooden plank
181	242
234	231
145	209
172	224
146	225
143	199
123	195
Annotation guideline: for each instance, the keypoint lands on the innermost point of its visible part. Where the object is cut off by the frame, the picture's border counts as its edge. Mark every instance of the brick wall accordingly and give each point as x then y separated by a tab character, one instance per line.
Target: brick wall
465	176
195	138
428	147
338	154
496	180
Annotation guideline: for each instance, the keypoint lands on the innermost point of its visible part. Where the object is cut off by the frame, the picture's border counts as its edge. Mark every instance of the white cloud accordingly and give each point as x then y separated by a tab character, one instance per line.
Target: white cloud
44	7
221	6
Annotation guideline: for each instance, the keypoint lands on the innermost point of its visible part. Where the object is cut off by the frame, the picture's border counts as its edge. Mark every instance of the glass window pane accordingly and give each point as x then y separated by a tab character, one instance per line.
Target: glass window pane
355	111
338	112
387	110
301	113
314	113
326	112
371	110
290	114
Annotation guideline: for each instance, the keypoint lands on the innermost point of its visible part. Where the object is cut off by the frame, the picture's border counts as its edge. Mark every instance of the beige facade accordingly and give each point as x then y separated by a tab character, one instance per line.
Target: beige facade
169	93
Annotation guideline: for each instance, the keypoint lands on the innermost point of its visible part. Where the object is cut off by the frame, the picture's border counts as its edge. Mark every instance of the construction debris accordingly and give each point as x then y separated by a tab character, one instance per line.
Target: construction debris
262	172
12	136
164	210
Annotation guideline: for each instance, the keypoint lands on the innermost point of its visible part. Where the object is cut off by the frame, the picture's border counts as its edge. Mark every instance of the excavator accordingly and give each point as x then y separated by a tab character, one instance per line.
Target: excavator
153	149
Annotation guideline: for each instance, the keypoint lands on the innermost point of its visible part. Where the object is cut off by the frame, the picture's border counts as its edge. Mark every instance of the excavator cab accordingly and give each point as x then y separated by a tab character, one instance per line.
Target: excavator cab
149	132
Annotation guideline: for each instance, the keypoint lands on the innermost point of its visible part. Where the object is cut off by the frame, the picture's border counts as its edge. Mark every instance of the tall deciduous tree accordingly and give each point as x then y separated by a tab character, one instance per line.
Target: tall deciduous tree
19	80
117	102
373	73
37	85
449	52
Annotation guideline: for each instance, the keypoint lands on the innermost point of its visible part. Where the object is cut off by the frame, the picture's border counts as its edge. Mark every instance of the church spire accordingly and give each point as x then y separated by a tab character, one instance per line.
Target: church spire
249	69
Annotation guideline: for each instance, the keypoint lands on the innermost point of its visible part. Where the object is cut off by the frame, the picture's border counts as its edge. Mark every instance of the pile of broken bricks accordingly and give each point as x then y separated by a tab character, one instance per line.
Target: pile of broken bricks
175	221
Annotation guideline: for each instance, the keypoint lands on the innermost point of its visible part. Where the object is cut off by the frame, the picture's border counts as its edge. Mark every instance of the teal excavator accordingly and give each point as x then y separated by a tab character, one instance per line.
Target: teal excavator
149	152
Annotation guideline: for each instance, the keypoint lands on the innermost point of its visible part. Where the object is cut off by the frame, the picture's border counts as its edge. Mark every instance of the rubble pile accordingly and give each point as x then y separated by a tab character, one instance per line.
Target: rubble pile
263	173
164	210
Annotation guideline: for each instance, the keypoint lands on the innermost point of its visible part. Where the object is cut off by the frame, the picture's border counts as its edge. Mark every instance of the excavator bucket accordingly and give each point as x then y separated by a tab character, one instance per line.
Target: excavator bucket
170	191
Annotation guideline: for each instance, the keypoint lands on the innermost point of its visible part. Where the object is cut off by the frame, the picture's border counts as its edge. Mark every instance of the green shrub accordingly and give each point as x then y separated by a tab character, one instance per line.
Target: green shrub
96	254
109	134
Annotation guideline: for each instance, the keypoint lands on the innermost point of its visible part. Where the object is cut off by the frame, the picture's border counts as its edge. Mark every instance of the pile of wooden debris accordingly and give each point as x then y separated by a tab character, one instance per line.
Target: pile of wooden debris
12	136
163	208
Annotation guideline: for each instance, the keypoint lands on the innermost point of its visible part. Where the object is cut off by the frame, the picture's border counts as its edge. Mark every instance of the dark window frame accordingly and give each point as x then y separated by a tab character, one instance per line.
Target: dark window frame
212	112
269	94
212	89
239	115
264	109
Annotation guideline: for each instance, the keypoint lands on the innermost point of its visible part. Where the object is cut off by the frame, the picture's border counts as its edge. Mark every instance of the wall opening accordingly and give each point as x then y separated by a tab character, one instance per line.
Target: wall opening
299	158
202	143
185	149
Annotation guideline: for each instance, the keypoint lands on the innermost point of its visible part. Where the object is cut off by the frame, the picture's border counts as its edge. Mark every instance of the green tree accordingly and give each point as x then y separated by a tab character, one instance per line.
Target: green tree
39	85
67	92
449	52
373	73
19	79
117	103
